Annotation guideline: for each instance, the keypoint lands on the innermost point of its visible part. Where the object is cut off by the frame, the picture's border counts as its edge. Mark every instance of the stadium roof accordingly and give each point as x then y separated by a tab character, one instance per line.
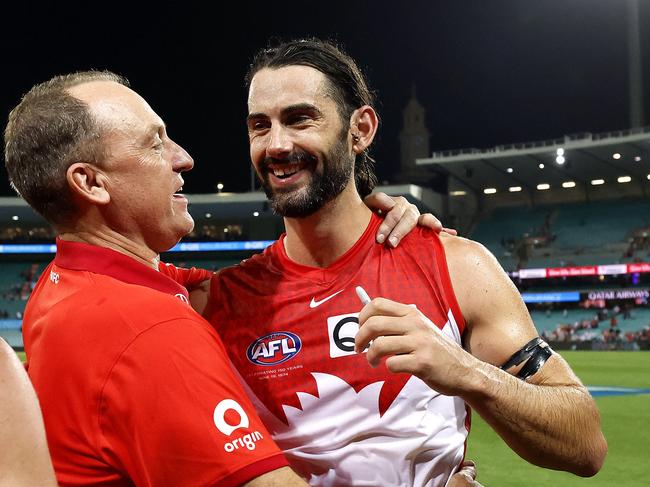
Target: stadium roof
587	157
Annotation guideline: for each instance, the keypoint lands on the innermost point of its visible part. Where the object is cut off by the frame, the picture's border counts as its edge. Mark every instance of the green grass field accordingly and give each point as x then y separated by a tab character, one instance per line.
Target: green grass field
626	423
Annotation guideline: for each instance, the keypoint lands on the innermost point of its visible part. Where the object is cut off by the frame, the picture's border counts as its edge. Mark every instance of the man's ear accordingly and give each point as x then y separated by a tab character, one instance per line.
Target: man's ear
88	183
363	127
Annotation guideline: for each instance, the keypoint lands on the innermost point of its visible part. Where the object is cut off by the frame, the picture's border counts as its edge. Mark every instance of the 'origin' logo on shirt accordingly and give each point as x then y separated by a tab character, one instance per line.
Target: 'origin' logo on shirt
232	408
274	348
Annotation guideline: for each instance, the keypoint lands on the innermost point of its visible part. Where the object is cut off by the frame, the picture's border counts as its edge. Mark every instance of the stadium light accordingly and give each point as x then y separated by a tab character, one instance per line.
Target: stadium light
541	165
560	160
637	158
219	187
490	190
560	151
543	186
514	189
597	182
458	193
256	213
208	215
569	184
624	179
15	218
509	170
648	176
616	156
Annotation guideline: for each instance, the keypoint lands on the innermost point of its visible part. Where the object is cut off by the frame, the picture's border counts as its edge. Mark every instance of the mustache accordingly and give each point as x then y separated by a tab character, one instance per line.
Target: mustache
295	157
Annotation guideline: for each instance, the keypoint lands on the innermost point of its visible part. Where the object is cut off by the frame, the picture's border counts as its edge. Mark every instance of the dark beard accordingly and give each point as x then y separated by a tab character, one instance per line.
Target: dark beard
323	188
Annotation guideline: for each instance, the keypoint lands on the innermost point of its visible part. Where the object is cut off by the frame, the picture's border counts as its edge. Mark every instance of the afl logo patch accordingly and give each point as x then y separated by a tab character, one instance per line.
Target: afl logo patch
274	348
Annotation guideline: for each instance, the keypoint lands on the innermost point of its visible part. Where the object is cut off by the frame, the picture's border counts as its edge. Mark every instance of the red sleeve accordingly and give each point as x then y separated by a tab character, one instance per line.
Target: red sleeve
188	278
174	413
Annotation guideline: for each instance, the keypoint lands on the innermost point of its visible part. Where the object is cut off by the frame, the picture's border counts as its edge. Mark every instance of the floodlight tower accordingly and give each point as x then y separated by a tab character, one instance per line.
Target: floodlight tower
635	68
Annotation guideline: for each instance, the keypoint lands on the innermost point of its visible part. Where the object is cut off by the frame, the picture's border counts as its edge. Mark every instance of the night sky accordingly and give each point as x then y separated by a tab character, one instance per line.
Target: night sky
487	72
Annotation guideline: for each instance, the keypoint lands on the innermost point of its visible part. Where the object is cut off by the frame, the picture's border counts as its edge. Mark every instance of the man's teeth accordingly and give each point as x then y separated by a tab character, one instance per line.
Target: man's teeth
285	171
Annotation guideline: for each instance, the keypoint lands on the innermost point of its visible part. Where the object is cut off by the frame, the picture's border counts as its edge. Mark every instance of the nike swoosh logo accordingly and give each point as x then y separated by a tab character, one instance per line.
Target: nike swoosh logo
316	304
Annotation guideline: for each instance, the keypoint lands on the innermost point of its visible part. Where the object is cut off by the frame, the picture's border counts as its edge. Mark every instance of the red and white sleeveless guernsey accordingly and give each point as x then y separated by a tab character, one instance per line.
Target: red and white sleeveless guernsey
289	330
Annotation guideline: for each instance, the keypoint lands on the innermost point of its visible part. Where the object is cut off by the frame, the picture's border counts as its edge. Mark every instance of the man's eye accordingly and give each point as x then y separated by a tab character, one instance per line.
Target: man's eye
299	119
257	126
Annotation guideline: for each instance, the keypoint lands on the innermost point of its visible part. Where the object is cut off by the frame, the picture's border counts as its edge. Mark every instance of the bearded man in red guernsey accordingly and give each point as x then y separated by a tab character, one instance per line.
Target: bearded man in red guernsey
379	395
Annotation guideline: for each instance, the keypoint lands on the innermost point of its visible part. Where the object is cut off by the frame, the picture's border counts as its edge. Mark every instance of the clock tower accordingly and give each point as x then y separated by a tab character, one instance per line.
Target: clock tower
414	140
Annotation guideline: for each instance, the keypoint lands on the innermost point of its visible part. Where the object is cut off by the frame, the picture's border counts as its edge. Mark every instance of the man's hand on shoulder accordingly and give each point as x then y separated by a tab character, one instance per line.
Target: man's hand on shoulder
401	218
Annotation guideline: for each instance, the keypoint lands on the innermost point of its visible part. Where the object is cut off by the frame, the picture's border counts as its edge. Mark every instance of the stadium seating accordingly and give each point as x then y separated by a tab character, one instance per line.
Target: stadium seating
16	282
564	235
548	322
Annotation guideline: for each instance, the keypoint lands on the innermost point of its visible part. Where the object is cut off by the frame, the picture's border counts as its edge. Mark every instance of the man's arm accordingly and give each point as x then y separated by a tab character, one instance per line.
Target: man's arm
24	457
549	420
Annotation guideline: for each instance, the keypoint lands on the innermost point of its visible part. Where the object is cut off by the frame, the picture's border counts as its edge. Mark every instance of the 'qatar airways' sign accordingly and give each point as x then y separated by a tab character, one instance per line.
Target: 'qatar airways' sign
619	294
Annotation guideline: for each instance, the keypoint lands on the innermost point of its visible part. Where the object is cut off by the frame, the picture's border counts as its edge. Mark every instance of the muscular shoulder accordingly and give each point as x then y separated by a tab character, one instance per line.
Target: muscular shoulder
467	258
498	322
476	275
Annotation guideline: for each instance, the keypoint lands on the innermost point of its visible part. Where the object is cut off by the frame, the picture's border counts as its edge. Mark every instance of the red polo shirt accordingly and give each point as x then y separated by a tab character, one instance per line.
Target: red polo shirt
135	387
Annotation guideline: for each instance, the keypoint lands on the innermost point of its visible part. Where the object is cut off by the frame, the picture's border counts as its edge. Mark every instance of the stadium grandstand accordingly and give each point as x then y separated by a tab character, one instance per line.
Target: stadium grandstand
569	220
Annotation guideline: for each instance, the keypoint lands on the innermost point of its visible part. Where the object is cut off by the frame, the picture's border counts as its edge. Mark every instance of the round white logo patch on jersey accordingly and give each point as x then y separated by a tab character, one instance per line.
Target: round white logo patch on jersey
220	412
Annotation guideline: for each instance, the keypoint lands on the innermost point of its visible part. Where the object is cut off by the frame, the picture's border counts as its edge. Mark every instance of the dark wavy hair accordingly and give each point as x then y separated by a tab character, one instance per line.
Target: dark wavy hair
347	87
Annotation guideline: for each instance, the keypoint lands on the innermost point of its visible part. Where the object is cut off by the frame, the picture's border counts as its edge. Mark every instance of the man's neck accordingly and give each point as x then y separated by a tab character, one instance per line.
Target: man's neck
114	241
320	239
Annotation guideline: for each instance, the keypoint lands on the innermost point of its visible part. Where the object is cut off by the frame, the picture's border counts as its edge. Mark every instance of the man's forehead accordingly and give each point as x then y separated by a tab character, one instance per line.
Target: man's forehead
115	103
274	88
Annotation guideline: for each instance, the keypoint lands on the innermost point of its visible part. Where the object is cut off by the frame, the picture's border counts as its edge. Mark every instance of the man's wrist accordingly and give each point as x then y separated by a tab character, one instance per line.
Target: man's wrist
482	382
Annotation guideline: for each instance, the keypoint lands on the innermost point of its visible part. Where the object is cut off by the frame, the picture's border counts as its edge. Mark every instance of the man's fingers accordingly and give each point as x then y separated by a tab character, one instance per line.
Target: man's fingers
384	203
427	220
399	364
468	467
386	346
379	201
390	221
377	326
383	307
407	222
401	217
465	477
